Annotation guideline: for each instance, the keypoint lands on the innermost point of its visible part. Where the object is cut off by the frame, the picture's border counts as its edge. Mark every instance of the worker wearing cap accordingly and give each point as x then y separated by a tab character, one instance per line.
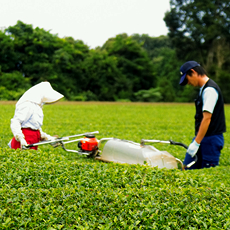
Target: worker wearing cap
209	119
28	117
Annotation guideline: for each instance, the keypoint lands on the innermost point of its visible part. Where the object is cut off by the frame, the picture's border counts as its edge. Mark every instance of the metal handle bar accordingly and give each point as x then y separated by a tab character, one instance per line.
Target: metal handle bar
143	141
58	140
48	142
178	143
192	162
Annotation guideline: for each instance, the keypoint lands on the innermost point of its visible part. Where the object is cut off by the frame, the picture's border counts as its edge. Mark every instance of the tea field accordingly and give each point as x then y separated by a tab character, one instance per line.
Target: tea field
54	189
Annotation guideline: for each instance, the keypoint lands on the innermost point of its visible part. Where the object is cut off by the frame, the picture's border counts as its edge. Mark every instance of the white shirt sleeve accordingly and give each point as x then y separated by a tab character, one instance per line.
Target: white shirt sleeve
210	97
27	115
21	114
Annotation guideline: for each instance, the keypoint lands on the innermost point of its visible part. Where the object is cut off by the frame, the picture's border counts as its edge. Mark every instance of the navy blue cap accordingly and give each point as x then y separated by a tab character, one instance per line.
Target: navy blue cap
184	69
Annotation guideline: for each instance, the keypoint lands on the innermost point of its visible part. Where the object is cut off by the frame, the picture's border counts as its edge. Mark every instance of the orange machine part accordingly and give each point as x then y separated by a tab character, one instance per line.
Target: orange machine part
89	144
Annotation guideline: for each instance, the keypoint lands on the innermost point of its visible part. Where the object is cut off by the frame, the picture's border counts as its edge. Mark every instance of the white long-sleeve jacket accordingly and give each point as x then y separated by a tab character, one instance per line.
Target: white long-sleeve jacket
29	113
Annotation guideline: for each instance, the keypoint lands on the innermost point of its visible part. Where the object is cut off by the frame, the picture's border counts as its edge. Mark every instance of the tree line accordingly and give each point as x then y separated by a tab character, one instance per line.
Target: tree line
128	68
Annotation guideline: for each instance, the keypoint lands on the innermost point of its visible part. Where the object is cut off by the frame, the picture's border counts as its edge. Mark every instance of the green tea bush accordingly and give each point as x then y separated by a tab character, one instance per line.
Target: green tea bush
54	189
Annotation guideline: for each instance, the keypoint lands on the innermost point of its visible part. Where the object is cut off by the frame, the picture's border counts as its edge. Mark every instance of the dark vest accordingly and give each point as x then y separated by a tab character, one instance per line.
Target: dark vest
217	124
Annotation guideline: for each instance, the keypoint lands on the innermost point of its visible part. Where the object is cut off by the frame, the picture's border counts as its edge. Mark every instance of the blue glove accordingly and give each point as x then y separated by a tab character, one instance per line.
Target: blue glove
193	148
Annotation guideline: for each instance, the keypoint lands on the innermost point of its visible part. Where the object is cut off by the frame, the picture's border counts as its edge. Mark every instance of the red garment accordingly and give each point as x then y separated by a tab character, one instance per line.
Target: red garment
31	137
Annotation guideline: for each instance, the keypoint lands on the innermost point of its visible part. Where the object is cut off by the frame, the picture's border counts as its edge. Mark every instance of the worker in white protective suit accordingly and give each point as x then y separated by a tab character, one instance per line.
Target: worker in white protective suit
28	118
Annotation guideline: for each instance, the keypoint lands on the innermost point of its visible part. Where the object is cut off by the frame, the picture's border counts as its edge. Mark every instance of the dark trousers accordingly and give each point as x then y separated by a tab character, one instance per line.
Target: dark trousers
208	153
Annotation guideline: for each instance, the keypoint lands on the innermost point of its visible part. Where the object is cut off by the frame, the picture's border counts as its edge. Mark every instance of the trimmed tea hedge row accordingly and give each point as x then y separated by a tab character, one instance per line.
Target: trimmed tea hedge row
54	189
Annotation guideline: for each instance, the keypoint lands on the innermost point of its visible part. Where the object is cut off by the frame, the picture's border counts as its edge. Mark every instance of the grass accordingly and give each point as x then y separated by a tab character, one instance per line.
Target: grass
54	189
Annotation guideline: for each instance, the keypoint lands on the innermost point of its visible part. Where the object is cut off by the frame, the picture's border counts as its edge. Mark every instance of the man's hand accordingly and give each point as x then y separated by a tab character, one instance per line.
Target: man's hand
193	148
52	138
47	137
22	141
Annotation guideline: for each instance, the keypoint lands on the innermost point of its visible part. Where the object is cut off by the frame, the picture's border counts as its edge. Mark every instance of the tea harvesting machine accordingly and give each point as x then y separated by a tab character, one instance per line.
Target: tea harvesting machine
120	151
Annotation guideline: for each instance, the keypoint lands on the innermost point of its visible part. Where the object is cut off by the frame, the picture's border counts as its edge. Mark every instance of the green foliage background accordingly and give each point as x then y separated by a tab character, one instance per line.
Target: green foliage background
125	68
54	189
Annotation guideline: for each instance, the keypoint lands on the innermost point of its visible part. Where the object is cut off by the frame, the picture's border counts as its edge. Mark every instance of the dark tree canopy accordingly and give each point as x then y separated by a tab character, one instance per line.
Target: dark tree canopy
130	68
200	30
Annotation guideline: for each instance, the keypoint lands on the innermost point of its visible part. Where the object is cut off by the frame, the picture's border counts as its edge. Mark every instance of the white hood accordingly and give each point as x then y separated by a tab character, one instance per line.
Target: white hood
40	94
